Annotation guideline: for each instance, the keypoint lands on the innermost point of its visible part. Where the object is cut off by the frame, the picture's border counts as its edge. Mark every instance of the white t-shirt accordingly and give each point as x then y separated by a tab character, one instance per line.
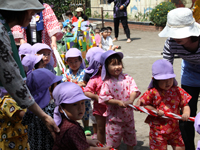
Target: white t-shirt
106	43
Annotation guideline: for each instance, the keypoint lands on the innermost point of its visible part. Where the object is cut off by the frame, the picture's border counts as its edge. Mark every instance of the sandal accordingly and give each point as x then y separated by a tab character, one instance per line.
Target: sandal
128	41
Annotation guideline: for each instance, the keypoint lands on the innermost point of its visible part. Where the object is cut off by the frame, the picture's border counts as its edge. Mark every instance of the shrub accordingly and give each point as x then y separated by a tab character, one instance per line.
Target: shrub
159	14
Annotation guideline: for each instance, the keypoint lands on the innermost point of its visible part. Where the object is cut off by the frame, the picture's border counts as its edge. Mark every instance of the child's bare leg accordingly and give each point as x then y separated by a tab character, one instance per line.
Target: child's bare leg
101	122
129	147
178	148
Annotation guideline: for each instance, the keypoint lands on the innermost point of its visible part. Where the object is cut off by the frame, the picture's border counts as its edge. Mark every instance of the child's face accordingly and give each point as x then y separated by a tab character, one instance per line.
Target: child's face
165	84
46	55
75	111
70	16
115	68
105	33
109	32
74	63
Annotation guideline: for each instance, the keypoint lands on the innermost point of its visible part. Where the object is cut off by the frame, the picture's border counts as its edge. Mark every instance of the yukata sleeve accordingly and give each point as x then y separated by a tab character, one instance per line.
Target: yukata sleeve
146	98
185	97
167	54
133	86
91	85
110	41
81	76
105	93
51	23
10	75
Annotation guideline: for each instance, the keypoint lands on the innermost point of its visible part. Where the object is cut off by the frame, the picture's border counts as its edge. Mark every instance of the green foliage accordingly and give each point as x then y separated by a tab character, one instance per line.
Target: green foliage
59	6
159	14
88	12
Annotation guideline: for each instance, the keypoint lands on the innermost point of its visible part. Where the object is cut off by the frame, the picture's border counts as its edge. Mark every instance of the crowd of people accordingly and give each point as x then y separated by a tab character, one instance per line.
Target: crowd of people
40	110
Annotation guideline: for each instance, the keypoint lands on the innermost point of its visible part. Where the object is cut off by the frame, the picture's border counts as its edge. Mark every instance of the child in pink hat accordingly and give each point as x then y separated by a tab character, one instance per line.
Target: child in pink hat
70	107
163	95
118	91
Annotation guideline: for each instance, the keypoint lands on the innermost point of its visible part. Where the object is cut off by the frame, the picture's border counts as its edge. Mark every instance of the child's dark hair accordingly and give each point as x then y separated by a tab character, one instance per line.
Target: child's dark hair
115	58
155	83
109	28
97	29
37	65
69	13
104	29
79	58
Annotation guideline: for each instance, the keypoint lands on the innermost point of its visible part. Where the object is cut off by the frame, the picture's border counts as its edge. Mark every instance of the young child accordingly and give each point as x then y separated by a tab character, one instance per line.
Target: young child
71	17
97	36
109	34
76	73
41	48
24	49
39	82
31	62
164	95
70	107
92	91
106	41
118	91
13	133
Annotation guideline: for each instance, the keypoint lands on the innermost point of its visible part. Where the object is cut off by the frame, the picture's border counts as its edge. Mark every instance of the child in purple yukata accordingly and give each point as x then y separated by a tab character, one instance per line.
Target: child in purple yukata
46	51
118	91
92	90
163	95
70	107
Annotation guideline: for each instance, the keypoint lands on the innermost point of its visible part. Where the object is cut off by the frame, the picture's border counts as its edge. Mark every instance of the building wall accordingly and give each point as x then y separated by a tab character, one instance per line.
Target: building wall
135	6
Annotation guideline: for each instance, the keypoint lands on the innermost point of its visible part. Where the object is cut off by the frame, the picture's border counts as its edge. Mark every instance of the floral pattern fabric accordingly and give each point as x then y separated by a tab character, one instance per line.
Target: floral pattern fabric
13	135
79	75
119	89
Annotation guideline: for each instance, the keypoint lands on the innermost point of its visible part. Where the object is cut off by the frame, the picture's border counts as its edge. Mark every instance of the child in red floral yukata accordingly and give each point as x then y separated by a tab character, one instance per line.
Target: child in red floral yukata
70	107
118	91
163	95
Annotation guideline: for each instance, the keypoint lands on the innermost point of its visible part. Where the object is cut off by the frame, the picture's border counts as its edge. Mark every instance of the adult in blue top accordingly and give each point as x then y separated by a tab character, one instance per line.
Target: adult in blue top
184	41
120	14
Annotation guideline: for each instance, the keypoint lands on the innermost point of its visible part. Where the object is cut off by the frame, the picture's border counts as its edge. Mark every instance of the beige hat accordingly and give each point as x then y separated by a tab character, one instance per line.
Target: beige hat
79	9
21	5
180	24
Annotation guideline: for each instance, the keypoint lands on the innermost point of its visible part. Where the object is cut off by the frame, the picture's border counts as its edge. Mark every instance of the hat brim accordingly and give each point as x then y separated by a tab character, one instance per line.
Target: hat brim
77	98
179	33
164	76
56	79
175	83
20	5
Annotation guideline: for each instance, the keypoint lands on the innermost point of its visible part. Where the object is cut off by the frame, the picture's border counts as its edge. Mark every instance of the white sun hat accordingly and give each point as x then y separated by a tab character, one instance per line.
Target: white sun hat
21	5
180	24
79	9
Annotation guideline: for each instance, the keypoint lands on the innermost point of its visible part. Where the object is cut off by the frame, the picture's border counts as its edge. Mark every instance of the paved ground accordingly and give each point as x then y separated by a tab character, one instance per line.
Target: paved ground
139	55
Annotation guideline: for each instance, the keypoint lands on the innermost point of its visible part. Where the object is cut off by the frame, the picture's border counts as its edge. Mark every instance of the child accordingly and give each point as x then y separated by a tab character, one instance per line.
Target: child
39	82
13	133
41	48
92	91
165	96
109	34
31	62
24	49
106	41
97	36
117	91
70	107
76	73
71	17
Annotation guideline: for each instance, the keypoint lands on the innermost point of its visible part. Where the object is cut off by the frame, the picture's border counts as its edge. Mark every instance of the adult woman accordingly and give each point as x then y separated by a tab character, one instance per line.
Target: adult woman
120	14
184	41
11	70
80	13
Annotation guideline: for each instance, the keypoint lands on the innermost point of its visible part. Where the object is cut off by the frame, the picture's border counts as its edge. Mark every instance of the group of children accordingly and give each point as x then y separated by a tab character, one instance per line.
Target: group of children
67	99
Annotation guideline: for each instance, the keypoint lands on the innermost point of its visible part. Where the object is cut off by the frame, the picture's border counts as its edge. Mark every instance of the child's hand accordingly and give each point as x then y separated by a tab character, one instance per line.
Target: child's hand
160	112
121	104
93	142
138	103
185	116
128	102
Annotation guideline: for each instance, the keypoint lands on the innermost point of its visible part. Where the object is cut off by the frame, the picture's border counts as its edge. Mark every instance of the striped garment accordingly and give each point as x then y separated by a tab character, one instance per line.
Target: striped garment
171	48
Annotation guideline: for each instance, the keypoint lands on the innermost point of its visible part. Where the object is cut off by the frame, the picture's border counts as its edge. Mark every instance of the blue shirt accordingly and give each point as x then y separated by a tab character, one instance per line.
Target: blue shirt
79	75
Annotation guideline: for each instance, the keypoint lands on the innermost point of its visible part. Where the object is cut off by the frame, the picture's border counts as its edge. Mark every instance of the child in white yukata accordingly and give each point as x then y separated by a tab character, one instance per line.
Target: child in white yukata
118	91
106	41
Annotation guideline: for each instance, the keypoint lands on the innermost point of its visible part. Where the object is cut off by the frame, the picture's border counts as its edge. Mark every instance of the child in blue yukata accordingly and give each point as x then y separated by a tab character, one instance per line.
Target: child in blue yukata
75	74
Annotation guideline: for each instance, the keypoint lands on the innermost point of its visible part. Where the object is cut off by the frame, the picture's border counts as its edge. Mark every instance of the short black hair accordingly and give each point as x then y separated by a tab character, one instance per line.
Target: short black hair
109	28
69	13
97	29
11	16
104	29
